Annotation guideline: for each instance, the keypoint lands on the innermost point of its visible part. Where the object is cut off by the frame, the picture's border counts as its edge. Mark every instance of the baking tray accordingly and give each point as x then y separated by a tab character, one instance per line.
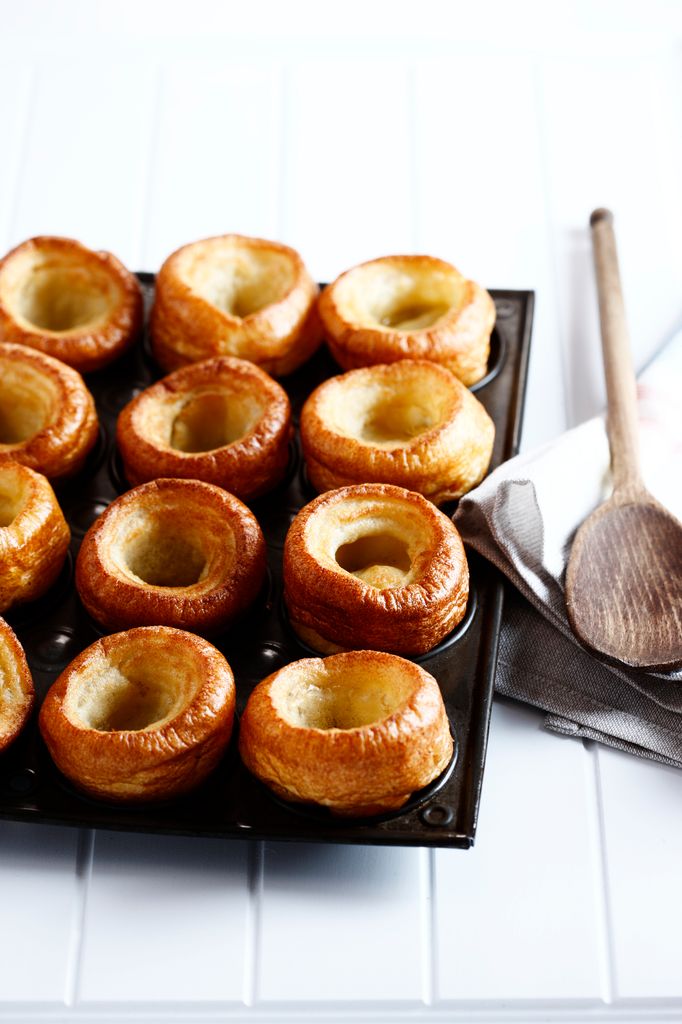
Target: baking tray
231	802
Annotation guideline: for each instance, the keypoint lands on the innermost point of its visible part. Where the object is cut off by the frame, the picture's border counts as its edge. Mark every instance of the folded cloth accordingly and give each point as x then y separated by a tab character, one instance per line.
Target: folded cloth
523	518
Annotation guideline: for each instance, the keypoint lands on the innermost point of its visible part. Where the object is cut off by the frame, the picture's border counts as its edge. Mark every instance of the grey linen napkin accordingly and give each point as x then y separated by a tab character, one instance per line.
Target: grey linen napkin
523	518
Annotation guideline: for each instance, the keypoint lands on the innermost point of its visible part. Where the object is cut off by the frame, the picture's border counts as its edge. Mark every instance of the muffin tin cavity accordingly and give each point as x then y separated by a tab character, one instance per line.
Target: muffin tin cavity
51	650
22	615
496	360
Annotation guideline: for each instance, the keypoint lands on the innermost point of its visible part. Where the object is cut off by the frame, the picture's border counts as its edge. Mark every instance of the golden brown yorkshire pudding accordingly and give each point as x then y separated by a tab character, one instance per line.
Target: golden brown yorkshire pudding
410	423
408	307
235	296
140	715
173	552
82	307
16	686
34	537
47	415
224	421
374	566
357	733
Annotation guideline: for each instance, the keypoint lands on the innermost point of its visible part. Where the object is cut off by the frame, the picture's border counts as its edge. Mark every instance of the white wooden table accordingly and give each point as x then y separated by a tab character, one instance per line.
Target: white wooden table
352	130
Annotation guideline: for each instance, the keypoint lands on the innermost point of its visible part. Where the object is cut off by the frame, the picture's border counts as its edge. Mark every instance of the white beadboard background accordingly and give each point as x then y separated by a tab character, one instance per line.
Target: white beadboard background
484	134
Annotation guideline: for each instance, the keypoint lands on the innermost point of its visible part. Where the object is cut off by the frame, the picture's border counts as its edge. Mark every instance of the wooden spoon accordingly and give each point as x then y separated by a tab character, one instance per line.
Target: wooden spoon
624	574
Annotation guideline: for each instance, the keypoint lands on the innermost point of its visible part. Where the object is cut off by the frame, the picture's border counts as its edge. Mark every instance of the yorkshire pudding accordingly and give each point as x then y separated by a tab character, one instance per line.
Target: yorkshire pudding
34	537
408	307
357	733
374	566
16	686
235	296
224	421
48	420
410	423
172	552
140	715
82	307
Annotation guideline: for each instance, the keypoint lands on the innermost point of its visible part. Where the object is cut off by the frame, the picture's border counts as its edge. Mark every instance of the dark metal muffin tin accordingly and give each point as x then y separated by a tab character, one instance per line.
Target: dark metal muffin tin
56	628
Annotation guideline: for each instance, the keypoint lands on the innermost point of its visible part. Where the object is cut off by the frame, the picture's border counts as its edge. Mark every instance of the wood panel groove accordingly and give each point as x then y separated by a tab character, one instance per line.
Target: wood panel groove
252	930
85	851
602	889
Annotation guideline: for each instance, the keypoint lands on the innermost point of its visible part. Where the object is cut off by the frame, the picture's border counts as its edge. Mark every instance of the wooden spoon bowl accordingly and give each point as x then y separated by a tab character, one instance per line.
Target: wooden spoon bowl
624	583
624	575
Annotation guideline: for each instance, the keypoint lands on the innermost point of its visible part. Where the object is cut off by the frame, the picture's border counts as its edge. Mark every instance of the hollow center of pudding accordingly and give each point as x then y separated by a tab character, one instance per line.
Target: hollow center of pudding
12	499
414	315
406	295
162	557
238	279
388	409
13	695
381	560
128	704
348	698
211	420
132	689
383	540
27	402
399	419
62	298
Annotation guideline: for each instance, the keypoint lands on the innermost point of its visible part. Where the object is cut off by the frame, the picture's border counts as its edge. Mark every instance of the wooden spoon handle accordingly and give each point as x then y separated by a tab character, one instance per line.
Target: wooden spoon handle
621	389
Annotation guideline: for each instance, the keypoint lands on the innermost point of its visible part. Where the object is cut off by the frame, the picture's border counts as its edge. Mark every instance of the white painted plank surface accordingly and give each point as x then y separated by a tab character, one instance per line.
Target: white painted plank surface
166	919
340	923
481	199
83	166
507	915
479	166
40	897
613	137
643	846
346	191
17	82
217	150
